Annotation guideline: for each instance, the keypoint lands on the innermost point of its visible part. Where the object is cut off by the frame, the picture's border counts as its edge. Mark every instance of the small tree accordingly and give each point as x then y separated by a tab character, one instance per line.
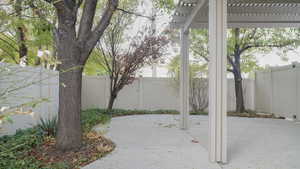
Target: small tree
121	60
78	33
243	44
198	94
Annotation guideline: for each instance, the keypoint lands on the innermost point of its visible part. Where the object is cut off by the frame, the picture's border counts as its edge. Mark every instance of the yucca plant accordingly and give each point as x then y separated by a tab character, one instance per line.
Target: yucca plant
48	126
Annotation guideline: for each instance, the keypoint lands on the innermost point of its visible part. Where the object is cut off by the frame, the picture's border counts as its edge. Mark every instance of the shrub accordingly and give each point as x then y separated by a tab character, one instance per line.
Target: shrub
14	149
48	126
92	117
123	112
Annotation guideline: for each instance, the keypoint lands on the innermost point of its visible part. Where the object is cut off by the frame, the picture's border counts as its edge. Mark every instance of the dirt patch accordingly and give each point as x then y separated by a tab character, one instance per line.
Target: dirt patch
94	147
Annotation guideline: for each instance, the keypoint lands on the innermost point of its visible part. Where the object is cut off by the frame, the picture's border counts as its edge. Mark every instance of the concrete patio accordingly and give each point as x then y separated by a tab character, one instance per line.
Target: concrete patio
154	142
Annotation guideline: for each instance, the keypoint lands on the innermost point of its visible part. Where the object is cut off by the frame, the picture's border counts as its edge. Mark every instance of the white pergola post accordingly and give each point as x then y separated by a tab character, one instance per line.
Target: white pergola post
241	14
217	80
184	79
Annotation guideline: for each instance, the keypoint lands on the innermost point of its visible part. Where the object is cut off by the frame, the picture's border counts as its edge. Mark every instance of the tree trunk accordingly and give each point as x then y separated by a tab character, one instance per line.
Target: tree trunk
112	99
238	81
73	52
69	127
69	135
20	32
22	45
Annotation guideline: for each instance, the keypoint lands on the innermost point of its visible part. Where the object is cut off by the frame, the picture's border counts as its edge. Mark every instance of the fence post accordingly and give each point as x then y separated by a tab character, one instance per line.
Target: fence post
271	88
36	117
253	92
141	104
106	90
297	92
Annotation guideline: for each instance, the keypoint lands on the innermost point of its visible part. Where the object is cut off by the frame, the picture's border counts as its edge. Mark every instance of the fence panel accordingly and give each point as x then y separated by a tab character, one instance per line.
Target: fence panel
35	83
277	91
149	94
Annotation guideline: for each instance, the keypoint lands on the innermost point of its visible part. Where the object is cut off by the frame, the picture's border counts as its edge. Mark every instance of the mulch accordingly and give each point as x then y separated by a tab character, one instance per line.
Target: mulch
94	147
254	115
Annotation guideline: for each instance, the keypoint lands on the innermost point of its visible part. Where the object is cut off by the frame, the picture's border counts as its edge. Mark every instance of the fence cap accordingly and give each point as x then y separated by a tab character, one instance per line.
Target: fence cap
280	68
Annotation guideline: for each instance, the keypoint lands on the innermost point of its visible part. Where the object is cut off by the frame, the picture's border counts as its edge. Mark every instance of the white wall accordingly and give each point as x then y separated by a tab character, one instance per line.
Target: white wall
45	85
277	91
149	94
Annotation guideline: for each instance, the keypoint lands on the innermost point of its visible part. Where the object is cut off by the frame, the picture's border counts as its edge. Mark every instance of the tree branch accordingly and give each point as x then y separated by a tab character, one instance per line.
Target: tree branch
79	3
249	46
136	14
230	70
198	53
86	22
108	66
230	61
96	34
71	4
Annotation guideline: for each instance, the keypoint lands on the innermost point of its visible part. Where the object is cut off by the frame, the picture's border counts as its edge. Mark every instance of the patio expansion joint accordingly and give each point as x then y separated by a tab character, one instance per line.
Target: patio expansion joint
193	138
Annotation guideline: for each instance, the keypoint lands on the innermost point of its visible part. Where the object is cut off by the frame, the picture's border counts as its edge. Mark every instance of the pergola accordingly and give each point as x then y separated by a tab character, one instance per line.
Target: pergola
217	16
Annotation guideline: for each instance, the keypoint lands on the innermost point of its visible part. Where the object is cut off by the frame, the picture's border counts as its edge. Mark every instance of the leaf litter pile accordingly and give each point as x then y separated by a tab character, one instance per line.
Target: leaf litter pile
94	147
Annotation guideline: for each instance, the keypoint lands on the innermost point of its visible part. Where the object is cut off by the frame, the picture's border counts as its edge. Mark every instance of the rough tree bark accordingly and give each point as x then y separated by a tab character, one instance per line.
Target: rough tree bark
236	70
73	50
20	32
112	99
22	44
114	90
238	83
69	128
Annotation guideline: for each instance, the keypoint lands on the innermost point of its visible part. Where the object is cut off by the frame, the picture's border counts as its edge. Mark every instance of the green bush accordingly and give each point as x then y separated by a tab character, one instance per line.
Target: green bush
123	112
48	126
14	149
92	117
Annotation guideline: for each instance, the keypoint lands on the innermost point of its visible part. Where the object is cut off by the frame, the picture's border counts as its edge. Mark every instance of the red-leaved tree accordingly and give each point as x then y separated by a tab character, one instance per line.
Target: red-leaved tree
122	60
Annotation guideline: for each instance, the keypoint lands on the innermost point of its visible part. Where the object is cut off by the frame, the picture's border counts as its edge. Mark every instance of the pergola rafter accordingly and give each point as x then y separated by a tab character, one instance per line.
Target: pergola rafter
217	16
242	13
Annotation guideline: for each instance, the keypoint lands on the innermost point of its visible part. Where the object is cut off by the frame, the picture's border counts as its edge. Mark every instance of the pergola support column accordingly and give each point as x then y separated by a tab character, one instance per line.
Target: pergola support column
217	80
184	80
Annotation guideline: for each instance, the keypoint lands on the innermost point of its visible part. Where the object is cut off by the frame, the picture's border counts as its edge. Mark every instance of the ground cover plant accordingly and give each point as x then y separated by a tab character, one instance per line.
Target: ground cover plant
34	148
246	113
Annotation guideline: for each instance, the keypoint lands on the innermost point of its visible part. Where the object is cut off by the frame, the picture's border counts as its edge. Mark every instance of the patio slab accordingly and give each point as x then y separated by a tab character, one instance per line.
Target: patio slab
255	143
152	142
155	142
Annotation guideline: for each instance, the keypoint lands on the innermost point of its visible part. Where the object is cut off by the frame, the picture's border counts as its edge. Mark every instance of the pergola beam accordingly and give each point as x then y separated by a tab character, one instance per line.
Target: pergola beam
241	13
193	14
266	24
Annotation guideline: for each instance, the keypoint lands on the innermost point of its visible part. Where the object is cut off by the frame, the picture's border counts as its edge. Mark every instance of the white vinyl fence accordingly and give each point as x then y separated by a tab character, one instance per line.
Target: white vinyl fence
35	83
149	94
275	91
278	91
